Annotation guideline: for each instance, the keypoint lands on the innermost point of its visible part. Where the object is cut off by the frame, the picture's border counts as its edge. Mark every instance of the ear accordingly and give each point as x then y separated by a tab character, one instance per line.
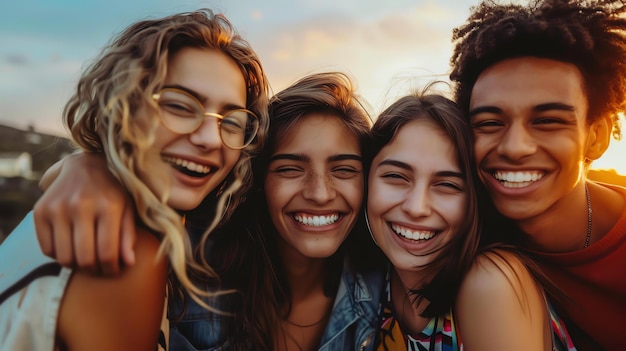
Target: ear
599	138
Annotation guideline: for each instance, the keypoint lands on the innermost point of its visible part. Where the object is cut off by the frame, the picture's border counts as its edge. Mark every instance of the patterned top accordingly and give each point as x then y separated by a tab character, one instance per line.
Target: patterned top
441	335
561	341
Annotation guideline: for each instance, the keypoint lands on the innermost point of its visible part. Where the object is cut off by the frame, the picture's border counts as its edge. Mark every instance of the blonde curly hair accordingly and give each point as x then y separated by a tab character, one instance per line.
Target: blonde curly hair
101	116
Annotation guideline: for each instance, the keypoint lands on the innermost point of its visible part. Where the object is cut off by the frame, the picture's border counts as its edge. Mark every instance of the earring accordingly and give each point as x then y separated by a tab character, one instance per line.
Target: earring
369	229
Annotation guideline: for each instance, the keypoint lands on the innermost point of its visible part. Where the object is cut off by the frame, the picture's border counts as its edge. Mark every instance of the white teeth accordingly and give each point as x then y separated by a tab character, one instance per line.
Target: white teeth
190	165
517	179
412	235
317	221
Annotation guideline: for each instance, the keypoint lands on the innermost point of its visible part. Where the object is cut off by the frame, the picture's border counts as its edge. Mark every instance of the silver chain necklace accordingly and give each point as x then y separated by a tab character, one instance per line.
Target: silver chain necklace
589	212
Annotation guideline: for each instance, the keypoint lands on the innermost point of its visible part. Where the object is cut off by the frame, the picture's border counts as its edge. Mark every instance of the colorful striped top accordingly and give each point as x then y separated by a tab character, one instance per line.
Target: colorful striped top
441	335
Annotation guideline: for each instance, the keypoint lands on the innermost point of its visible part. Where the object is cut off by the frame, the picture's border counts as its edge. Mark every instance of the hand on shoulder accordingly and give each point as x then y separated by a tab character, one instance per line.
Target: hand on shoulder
85	219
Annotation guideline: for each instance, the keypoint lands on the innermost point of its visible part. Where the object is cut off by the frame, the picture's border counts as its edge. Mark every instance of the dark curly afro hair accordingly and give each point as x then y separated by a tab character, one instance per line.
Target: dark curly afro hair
589	34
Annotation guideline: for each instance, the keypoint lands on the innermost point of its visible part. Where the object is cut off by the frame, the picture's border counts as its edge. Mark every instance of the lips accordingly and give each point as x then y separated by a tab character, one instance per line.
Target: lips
190	168
316	220
412	234
519	179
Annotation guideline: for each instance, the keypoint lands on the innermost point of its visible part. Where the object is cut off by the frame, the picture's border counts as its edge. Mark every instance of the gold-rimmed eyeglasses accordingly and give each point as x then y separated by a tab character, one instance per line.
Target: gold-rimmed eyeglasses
182	113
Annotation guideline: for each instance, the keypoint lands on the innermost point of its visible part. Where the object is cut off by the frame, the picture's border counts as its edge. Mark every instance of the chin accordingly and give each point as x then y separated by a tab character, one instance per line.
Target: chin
321	252
183	204
516	212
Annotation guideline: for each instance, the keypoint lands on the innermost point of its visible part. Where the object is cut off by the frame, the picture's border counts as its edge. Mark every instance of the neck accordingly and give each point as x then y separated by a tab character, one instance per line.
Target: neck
310	308
409	279
404	302
561	228
305	276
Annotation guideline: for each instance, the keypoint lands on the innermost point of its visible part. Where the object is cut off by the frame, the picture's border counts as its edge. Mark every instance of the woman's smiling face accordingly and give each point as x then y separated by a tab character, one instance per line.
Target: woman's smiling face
193	164
417	198
314	186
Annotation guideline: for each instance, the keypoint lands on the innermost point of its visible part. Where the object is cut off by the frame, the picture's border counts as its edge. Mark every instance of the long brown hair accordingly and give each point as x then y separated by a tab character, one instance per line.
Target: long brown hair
454	259
247	256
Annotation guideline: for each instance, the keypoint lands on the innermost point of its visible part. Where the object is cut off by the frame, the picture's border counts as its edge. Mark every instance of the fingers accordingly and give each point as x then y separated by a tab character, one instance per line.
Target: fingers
84	248
129	236
107	229
44	231
79	217
54	230
62	240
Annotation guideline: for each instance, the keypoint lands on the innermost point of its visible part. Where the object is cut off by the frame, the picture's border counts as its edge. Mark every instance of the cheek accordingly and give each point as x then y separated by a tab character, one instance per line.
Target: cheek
353	191
374	197
273	186
230	158
481	146
277	194
161	137
382	194
379	199
454	210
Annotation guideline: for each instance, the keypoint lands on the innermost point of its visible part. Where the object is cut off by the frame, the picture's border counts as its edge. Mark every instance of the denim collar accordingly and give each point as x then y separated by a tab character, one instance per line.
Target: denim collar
357	300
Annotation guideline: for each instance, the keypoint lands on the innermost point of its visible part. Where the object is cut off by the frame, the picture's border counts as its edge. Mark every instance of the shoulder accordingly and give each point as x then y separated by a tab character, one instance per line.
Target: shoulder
496	269
122	312
498	276
500	305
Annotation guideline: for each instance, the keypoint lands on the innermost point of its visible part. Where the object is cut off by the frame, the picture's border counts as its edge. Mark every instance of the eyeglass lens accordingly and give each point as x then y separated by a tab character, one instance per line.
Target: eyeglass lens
183	114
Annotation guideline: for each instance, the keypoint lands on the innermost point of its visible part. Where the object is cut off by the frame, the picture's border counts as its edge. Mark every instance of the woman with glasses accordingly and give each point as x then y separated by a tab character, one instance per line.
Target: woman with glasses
177	105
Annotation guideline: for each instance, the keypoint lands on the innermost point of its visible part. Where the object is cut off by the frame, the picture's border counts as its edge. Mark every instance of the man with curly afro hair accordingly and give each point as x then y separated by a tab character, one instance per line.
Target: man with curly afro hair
543	85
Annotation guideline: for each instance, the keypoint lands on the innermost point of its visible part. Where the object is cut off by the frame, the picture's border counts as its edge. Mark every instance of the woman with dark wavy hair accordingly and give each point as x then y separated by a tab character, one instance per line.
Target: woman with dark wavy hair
297	250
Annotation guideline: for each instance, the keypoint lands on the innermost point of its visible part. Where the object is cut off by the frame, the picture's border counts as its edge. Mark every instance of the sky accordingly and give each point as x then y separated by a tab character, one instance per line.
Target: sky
389	47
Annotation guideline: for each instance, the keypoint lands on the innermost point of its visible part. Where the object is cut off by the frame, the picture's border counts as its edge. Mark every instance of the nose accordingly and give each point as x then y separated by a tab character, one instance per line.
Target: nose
417	202
516	143
319	188
207	136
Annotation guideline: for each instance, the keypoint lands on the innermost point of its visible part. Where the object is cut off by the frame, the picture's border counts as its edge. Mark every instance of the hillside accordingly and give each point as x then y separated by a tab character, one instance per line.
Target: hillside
17	194
45	149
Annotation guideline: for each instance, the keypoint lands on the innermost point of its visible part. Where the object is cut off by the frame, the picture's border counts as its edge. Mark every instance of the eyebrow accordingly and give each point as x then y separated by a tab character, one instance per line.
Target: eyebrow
553	106
345	157
304	158
200	97
405	166
538	108
451	174
395	163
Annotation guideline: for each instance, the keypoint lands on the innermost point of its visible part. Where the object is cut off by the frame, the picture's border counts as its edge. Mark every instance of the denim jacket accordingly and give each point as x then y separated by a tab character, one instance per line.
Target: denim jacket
198	328
352	325
355	317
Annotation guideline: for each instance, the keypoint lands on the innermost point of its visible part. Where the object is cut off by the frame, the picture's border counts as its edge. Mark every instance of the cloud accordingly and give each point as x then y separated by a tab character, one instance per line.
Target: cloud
383	53
16	59
35	93
256	15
